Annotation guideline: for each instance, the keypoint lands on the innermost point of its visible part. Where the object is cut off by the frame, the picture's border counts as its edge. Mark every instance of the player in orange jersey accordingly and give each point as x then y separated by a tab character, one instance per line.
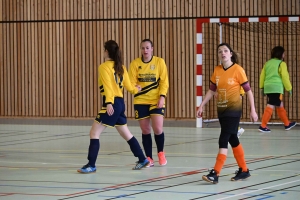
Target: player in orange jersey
227	79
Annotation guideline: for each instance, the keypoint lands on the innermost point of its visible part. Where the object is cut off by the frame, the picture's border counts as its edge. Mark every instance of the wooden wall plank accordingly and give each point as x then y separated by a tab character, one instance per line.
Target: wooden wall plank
2	75
2	11
90	71
40	68
192	64
95	57
13	71
51	39
9	72
81	72
5	84
19	76
177	60
296	7
56	71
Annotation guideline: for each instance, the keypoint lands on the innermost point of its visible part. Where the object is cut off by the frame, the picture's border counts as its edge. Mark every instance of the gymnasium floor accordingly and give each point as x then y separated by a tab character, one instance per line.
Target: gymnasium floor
40	162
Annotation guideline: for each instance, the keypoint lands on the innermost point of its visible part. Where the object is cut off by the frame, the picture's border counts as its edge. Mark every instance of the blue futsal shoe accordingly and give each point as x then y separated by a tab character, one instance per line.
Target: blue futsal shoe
86	169
140	165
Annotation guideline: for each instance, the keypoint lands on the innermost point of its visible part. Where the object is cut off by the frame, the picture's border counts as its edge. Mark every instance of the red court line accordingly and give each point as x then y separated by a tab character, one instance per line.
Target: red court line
56	195
81	192
5	194
161	178
155	179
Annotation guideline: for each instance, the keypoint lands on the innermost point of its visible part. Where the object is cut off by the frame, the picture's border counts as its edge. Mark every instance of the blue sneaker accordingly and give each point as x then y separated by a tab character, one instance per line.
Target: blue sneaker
264	130
86	169
140	165
291	125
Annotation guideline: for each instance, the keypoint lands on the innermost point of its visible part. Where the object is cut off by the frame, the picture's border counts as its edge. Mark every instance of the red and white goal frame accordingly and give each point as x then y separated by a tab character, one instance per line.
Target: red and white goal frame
201	21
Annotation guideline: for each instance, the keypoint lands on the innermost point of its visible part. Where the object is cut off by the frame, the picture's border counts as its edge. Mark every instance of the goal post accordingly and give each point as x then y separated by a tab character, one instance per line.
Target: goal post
253	38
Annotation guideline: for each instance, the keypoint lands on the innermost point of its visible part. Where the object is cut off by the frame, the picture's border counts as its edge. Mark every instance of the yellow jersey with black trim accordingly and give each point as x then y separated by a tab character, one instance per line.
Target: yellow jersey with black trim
152	76
110	84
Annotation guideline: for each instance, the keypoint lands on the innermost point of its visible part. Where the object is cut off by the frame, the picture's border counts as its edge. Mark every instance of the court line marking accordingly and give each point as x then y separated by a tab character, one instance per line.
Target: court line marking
259	190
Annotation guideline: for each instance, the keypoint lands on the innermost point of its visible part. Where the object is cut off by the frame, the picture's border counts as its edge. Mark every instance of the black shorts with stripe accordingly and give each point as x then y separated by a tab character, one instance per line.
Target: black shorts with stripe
117	119
143	111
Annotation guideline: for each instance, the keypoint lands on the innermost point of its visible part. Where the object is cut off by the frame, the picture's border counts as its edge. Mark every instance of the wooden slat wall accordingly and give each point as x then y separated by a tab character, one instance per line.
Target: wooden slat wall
50	69
28	10
50	50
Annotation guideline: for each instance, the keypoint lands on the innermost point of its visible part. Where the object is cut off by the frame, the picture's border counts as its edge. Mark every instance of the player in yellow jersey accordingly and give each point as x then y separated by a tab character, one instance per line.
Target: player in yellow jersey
112	77
227	79
150	72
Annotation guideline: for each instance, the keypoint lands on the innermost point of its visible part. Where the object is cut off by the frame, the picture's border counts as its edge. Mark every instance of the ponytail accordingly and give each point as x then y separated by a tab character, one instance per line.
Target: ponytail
114	53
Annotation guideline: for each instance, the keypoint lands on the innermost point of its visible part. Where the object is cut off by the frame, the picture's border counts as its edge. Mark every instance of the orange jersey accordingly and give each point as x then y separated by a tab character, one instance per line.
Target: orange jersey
228	82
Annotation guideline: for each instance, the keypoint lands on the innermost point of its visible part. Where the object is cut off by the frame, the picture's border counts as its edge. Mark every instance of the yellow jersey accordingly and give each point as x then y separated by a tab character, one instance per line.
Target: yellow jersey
152	77
110	84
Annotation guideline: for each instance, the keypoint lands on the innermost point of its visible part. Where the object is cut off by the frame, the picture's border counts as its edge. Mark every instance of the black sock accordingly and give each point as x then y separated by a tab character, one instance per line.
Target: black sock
147	143
93	151
136	149
160	141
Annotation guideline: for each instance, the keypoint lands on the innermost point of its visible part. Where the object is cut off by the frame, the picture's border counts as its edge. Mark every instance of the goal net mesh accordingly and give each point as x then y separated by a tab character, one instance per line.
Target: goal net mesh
253	41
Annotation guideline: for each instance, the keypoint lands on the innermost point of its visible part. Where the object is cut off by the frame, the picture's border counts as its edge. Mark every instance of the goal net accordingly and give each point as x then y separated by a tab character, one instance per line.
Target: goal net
253	41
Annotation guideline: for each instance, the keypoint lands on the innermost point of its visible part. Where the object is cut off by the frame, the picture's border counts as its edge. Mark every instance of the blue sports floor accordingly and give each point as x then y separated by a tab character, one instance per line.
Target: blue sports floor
39	162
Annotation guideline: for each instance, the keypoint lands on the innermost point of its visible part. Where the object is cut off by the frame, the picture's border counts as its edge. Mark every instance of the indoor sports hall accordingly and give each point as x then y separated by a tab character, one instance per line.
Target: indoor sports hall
50	52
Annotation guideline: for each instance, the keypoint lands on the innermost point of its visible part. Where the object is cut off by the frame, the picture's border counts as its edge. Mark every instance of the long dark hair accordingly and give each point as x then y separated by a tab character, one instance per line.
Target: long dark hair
234	57
114	53
277	52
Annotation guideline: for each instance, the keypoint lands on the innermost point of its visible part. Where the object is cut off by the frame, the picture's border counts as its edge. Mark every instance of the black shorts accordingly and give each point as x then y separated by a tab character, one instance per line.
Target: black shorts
274	99
229	129
144	111
117	119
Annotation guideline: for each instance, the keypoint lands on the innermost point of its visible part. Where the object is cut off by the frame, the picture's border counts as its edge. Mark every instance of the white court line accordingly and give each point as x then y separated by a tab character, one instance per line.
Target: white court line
259	190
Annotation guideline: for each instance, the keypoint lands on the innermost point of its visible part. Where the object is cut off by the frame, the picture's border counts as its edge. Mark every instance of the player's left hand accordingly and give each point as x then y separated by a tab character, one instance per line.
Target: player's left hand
199	112
109	109
253	116
138	87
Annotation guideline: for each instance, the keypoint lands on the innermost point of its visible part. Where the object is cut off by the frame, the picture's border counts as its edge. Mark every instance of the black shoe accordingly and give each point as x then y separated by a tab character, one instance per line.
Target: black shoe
291	125
264	130
212	177
240	175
